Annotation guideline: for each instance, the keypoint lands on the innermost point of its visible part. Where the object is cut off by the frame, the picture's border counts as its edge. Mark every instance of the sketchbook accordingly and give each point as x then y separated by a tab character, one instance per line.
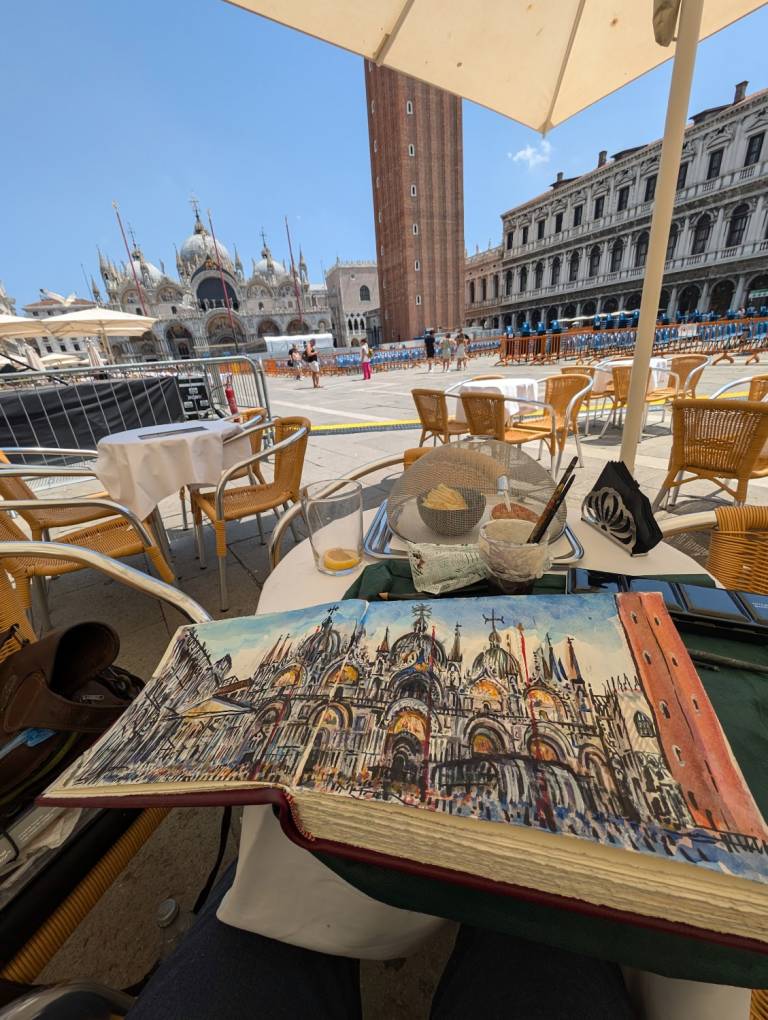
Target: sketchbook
560	749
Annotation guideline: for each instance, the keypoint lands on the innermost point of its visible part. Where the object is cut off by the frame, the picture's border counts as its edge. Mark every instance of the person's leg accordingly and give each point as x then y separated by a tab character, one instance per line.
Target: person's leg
228	974
500	977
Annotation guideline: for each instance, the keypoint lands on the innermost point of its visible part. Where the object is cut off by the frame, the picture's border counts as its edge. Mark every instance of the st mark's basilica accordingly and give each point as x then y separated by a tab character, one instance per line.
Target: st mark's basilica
191	308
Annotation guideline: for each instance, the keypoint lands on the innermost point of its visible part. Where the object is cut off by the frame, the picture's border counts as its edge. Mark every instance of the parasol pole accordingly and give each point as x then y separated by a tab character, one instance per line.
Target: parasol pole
223	283
293	274
671	148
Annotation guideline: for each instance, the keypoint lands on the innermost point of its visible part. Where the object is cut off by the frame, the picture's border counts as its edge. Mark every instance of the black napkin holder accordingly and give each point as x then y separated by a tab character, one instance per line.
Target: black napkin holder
616	507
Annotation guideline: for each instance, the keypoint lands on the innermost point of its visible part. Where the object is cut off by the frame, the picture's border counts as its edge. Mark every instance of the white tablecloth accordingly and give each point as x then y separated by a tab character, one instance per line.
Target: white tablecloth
659	373
281	890
139	473
509	386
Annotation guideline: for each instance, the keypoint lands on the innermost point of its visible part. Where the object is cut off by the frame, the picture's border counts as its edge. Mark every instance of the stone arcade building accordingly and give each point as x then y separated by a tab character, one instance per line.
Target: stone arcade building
581	247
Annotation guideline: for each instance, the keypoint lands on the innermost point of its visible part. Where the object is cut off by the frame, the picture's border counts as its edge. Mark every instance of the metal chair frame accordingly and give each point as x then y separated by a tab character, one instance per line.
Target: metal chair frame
219	495
114	509
737	382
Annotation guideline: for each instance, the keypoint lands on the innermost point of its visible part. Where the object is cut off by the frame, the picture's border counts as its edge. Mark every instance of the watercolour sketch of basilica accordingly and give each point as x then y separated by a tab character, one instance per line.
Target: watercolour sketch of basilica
574	714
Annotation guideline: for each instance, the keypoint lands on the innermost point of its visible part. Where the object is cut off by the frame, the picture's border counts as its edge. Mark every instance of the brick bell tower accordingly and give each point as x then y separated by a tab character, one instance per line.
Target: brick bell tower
417	175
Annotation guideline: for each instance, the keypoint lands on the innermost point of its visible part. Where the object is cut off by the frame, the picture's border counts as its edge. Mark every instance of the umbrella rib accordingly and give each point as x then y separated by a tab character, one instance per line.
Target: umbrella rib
386	43
563	64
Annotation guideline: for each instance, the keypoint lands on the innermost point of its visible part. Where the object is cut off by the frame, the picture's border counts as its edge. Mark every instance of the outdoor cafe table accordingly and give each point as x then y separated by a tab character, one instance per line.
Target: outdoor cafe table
141	467
283	892
516	387
658	379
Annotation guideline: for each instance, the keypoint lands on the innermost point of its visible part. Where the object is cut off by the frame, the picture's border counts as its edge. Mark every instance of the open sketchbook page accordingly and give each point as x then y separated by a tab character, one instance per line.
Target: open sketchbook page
223	701
578	715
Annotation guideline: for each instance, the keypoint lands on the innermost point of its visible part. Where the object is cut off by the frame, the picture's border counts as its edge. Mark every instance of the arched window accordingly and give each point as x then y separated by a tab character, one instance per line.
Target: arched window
484	288
641	249
594	261
701	235
539	275
672	242
523	279
495	285
573	267
664	709
471	292
508	282
617	254
554	275
644	725
365	294
738	225
349	325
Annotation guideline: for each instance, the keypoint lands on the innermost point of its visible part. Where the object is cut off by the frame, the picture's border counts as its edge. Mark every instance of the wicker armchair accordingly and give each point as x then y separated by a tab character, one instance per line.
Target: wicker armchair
432	409
687	370
39	520
486	414
719	441
122	534
758	387
233	504
69	904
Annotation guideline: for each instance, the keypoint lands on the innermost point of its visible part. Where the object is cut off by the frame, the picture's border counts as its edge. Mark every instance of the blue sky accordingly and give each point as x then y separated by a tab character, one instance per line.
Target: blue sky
150	102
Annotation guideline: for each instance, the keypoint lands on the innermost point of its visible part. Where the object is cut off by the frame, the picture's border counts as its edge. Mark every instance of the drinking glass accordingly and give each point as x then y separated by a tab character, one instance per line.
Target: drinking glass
333	511
512	561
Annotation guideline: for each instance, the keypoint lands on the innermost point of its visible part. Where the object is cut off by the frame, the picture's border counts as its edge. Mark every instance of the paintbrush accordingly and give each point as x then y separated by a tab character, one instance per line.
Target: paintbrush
710	659
553	504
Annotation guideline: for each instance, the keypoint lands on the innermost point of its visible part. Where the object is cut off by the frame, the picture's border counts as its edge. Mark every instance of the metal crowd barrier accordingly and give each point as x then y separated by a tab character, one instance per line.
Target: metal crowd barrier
47	403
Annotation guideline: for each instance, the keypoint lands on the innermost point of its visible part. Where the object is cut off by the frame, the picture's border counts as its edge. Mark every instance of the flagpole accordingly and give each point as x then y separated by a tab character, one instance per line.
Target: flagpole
130	261
223	283
293	275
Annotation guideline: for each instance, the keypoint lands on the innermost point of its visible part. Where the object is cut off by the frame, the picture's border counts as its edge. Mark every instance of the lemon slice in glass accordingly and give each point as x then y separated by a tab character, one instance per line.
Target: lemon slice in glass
340	559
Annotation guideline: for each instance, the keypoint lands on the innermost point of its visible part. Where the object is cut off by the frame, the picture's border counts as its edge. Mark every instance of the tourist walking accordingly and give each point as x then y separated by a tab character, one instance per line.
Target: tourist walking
461	351
365	359
312	360
294	361
446	351
429	347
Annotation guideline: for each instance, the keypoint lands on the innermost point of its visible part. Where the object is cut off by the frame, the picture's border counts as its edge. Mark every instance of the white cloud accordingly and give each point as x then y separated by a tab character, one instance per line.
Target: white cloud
532	155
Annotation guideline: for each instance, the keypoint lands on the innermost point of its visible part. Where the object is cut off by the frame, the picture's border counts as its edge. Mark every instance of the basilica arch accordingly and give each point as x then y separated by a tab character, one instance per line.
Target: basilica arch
296	327
219	329
210	292
268	327
179	340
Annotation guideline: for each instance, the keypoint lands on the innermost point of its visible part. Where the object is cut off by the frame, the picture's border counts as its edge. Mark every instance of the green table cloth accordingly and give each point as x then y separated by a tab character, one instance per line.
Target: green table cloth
740	699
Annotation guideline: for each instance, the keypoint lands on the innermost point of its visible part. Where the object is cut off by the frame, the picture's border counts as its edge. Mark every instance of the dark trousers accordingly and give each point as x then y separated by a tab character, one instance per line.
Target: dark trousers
222	973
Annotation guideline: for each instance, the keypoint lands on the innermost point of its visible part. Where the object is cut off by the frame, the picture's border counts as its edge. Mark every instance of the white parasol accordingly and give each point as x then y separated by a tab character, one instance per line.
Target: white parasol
538	62
101	322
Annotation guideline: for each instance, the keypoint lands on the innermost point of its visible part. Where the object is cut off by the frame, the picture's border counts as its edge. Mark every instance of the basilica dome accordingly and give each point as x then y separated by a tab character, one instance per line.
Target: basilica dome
145	271
266	266
198	246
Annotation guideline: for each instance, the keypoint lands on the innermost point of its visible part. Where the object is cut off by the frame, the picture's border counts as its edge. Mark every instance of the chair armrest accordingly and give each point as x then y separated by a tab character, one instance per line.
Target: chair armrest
49	451
677	524
45	471
730	386
254	425
116	569
253	459
63	504
578	396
